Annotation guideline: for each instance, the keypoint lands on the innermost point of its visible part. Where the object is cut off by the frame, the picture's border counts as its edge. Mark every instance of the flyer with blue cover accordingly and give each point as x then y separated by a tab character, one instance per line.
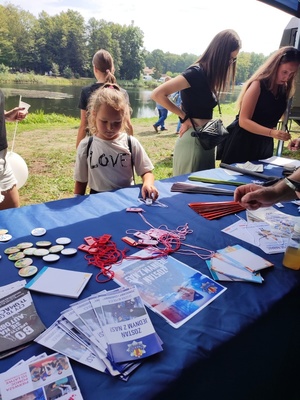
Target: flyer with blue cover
167	286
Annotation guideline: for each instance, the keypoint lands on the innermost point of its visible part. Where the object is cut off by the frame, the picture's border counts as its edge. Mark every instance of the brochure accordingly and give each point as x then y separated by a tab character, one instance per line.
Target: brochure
127	327
167	286
223	265
46	377
53	281
259	234
112	343
19	321
244	259
277	220
218	276
58	340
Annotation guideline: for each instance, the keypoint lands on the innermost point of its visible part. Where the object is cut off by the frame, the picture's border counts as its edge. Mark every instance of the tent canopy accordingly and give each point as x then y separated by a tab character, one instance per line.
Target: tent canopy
290	6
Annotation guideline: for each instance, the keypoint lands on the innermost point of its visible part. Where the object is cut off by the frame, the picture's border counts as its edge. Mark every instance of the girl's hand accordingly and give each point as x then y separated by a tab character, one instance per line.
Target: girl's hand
149	192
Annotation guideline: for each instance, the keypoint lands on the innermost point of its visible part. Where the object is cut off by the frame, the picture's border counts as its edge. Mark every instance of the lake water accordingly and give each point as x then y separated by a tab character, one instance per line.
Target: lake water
64	99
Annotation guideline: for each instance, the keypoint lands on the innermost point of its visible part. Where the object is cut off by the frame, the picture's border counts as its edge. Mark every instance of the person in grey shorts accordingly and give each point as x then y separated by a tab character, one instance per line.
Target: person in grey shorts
9	197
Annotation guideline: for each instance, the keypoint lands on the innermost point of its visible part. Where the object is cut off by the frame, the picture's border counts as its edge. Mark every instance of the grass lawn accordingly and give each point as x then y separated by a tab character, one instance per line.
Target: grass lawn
47	144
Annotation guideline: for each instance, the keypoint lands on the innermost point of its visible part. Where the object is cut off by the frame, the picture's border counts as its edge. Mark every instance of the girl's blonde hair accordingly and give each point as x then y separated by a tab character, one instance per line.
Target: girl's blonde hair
104	63
268	72
109	94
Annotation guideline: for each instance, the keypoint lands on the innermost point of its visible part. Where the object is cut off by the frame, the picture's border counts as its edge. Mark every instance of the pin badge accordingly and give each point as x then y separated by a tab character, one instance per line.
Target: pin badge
38	232
28	271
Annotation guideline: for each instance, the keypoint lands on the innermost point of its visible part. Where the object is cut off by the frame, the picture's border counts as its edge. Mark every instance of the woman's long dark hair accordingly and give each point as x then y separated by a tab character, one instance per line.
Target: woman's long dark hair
216	60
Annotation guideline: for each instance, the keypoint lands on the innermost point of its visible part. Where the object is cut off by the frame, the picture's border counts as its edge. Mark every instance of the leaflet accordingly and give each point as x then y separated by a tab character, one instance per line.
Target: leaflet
43	377
19	321
167	286
127	327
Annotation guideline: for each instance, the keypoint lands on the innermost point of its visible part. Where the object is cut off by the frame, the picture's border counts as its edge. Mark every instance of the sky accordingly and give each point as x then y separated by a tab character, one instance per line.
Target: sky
180	26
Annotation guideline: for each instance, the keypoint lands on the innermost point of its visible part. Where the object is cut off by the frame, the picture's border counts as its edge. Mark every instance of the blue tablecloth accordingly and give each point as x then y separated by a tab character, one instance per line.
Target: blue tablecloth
244	345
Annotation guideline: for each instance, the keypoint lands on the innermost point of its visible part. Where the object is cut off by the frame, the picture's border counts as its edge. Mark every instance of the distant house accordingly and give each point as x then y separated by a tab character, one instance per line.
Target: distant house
147	74
148	71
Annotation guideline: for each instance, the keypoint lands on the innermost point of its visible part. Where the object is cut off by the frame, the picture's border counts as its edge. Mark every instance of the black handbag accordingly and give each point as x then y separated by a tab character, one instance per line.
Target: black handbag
212	133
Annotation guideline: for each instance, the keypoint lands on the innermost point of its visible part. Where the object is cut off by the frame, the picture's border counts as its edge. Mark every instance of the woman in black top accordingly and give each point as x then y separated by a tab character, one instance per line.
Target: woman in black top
199	85
262	102
103	66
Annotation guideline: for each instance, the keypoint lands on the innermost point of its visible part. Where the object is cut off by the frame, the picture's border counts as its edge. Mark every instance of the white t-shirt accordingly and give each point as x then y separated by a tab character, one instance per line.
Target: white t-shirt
108	164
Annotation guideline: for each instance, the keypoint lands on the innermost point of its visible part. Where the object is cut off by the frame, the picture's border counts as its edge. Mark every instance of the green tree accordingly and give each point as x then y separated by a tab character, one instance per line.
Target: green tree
17	44
62	41
130	39
100	36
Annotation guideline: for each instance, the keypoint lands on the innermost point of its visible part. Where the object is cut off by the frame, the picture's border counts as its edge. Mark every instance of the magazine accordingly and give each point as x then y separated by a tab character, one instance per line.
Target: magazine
19	321
46	377
167	286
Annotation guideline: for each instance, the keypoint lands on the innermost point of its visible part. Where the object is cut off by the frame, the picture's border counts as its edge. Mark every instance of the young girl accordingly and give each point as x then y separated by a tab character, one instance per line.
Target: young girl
103	67
108	163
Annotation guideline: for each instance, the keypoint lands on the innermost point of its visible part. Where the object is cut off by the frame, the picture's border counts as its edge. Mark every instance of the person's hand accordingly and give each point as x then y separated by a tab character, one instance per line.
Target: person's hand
149	192
184	127
280	135
294	144
254	196
16	114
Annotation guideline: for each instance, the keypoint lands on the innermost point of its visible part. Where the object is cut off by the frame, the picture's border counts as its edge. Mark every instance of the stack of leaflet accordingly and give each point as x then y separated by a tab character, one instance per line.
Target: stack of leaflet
235	263
216	209
17	315
40	377
110	331
184	187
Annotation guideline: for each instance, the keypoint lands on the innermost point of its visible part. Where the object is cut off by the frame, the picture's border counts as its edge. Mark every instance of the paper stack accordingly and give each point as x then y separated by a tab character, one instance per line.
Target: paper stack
216	209
235	263
19	321
110	331
40	377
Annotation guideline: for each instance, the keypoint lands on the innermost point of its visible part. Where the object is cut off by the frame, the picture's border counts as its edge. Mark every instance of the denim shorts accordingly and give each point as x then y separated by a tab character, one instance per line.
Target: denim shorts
7	178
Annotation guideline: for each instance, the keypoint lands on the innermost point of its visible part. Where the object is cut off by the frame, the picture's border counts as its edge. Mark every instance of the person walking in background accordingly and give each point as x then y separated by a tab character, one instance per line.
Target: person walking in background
262	102
162	114
103	67
200	85
9	196
177	100
112	154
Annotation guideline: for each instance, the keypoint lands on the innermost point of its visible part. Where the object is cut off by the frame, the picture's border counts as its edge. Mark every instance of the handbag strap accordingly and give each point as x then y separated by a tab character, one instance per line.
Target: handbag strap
219	107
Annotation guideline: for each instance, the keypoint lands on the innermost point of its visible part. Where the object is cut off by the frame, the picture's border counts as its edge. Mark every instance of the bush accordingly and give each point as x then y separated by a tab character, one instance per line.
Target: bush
68	73
3	69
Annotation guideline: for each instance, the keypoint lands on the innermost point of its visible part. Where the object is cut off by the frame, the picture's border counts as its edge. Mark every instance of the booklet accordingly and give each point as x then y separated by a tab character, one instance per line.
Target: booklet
19	321
58	340
53	281
167	286
222	265
244	259
127	327
45	377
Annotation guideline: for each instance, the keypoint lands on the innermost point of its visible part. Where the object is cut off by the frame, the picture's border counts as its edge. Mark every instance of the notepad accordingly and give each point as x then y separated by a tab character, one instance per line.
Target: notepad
59	282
